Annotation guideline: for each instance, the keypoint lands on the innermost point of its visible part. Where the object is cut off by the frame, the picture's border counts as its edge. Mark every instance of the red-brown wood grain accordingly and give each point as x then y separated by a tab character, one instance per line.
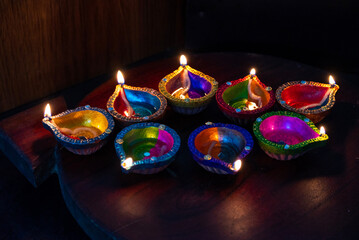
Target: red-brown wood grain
313	197
47	46
28	144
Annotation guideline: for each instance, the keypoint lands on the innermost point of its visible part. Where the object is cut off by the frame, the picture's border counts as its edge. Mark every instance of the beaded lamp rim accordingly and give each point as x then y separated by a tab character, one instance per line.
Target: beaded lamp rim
164	159
111	109
233	111
187	102
215	161
80	142
324	108
287	147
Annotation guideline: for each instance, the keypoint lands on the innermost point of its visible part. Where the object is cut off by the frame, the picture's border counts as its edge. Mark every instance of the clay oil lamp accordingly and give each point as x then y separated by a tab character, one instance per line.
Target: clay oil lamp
287	135
130	104
243	100
189	91
146	148
220	148
83	130
312	99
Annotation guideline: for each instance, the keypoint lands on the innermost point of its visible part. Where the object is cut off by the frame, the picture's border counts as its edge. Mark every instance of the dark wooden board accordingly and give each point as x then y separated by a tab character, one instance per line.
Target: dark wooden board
313	197
27	144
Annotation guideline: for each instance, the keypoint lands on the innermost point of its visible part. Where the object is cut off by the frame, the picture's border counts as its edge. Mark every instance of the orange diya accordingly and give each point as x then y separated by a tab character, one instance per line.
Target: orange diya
312	99
135	104
83	130
243	100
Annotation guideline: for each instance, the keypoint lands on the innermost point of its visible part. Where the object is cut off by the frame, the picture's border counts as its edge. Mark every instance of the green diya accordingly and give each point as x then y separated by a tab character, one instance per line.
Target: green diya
189	91
287	135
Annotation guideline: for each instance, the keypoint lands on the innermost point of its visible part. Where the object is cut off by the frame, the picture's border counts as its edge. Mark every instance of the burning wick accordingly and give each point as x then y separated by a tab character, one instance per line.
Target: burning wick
121	82
322	131
185	81
237	165
331	81
127	164
47	112
252	94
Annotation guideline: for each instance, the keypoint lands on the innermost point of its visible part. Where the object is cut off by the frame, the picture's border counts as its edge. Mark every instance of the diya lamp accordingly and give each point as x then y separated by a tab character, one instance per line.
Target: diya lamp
130	104
243	100
83	130
189	91
220	148
312	99
287	135
146	148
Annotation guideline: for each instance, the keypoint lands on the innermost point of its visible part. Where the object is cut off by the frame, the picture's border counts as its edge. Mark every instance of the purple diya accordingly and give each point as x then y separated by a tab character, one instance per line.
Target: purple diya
83	130
243	100
146	148
312	99
134	104
189	91
220	148
287	135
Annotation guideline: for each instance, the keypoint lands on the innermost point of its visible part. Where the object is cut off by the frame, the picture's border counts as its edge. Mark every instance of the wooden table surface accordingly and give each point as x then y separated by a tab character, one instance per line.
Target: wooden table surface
313	197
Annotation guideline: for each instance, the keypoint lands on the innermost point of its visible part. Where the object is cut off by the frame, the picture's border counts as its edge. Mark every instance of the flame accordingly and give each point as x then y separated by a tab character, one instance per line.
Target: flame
237	165
252	105
120	78
253	71
322	130
126	113
183	60
47	112
331	80
127	164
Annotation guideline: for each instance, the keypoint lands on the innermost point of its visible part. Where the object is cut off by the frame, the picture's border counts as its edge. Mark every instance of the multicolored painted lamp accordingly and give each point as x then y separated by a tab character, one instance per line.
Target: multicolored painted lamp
189	91
287	135
83	130
146	148
220	148
312	99
134	104
243	100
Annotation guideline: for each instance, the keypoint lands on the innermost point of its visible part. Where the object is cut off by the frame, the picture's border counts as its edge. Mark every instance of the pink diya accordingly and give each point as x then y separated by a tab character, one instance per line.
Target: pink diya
83	130
287	135
135	104
312	99
243	100
189	91
146	148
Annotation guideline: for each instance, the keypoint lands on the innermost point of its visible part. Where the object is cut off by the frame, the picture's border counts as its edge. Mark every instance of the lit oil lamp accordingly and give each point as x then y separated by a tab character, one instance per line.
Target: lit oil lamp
83	130
243	100
220	148
287	135
189	91
311	99
135	104
146	148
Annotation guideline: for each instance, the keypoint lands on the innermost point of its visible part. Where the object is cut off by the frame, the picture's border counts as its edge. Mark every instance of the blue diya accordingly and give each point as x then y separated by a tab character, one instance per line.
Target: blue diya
189	91
287	135
130	104
146	148
220	148
83	130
